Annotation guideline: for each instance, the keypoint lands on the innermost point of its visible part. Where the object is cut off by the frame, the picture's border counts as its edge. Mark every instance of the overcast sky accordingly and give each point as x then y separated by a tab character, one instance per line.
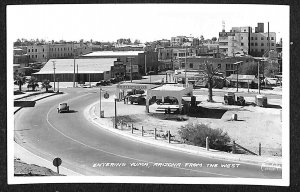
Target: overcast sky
146	22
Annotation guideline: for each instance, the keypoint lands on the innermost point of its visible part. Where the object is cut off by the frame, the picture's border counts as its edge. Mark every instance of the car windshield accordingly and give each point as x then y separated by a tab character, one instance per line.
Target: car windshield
63	104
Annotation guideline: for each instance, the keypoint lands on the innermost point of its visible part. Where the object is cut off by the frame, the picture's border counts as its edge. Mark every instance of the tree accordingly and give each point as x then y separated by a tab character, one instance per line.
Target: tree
46	84
209	73
136	42
271	69
214	39
250	68
19	79
17	43
32	83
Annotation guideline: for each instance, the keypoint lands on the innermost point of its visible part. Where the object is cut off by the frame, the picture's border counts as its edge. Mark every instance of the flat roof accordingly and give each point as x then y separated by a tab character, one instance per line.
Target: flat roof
112	53
98	65
169	88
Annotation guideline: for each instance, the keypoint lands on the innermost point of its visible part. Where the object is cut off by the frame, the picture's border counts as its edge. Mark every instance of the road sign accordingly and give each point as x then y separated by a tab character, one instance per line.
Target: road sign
57	162
106	95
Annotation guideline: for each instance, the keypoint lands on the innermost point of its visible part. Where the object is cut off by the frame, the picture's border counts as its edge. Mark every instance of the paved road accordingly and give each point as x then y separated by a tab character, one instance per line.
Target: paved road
86	148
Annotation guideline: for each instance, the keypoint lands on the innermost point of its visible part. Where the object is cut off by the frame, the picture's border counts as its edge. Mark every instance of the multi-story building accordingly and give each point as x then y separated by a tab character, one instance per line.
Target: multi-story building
178	41
260	43
226	66
42	53
242	41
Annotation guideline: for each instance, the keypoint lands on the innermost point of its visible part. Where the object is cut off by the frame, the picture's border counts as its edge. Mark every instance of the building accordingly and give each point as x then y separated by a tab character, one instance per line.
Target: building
226	66
20	60
140	62
242	41
178	41
42	53
86	70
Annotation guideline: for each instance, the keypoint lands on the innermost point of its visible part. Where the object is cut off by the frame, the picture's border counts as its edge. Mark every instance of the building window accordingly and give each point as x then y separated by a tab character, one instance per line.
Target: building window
241	37
43	56
191	65
255	44
272	38
43	50
255	38
272	44
262	50
35	50
252	44
262	38
251	38
183	65
35	56
242	44
262	44
29	50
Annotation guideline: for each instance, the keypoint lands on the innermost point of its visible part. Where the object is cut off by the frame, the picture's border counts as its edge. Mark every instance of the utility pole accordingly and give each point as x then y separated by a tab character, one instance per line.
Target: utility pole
77	77
74	66
258	76
54	73
130	70
145	64
100	101
185	64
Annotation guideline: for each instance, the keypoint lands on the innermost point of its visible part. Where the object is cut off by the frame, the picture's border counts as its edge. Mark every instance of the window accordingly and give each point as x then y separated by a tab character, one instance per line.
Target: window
191	65
262	44
107	72
29	50
262	38
272	44
43	56
241	37
252	50
43	50
35	50
267	38
242	44
272	38
252	44
183	65
255	44
255	38
35	56
251	38
262	50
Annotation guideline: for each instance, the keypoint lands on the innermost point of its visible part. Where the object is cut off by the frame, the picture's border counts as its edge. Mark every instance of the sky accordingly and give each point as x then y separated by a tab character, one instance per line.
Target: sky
145	22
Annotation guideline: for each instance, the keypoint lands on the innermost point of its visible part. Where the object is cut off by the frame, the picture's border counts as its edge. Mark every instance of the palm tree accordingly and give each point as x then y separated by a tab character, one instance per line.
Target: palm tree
19	79
46	84
33	83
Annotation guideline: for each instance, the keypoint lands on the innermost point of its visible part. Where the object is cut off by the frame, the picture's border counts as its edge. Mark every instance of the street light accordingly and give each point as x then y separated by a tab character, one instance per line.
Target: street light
54	73
57	85
100	102
115	122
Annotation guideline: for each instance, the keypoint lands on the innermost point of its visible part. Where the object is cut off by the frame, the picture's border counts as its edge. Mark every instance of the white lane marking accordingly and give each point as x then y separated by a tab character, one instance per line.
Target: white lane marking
79	142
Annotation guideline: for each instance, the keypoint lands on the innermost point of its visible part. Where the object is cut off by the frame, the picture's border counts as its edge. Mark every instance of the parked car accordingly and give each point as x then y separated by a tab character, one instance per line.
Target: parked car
63	107
138	98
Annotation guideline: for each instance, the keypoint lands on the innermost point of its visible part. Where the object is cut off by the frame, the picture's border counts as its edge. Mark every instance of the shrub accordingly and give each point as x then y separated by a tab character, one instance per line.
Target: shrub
196	134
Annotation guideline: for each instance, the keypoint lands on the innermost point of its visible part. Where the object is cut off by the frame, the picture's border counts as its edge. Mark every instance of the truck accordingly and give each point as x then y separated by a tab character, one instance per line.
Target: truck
138	98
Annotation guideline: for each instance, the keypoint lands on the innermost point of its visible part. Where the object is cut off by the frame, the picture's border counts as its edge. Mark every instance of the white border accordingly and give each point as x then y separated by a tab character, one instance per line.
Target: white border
285	181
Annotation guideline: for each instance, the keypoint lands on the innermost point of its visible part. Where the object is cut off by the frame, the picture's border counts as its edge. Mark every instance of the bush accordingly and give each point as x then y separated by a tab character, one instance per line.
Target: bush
196	134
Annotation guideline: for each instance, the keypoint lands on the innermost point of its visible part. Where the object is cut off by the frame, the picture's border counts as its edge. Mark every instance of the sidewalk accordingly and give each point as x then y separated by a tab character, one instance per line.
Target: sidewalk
136	136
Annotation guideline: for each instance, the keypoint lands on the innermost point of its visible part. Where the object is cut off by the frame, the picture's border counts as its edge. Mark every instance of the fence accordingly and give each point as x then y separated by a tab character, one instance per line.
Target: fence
167	135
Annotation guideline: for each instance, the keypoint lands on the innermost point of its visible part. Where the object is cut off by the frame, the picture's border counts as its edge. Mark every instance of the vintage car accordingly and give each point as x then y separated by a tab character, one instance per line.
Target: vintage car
63	107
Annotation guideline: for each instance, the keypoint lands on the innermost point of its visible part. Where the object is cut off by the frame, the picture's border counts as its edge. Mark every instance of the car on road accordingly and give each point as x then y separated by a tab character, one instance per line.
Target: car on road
63	107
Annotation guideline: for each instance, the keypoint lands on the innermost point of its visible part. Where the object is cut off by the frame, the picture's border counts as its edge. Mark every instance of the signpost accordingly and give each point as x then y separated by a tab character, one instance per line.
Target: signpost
106	95
57	162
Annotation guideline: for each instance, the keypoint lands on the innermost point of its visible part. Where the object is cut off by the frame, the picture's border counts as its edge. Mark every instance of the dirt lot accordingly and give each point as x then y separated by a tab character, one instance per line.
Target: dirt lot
255	124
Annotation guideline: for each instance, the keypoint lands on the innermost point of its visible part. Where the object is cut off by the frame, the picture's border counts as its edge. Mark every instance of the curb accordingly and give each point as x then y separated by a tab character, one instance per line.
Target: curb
90	110
19	108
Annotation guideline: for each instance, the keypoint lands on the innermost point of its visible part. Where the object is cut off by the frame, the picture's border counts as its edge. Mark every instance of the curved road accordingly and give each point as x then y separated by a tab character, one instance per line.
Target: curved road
86	148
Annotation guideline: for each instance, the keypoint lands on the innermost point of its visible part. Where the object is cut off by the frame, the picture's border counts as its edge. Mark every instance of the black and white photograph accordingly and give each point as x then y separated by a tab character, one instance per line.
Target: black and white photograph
148	93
